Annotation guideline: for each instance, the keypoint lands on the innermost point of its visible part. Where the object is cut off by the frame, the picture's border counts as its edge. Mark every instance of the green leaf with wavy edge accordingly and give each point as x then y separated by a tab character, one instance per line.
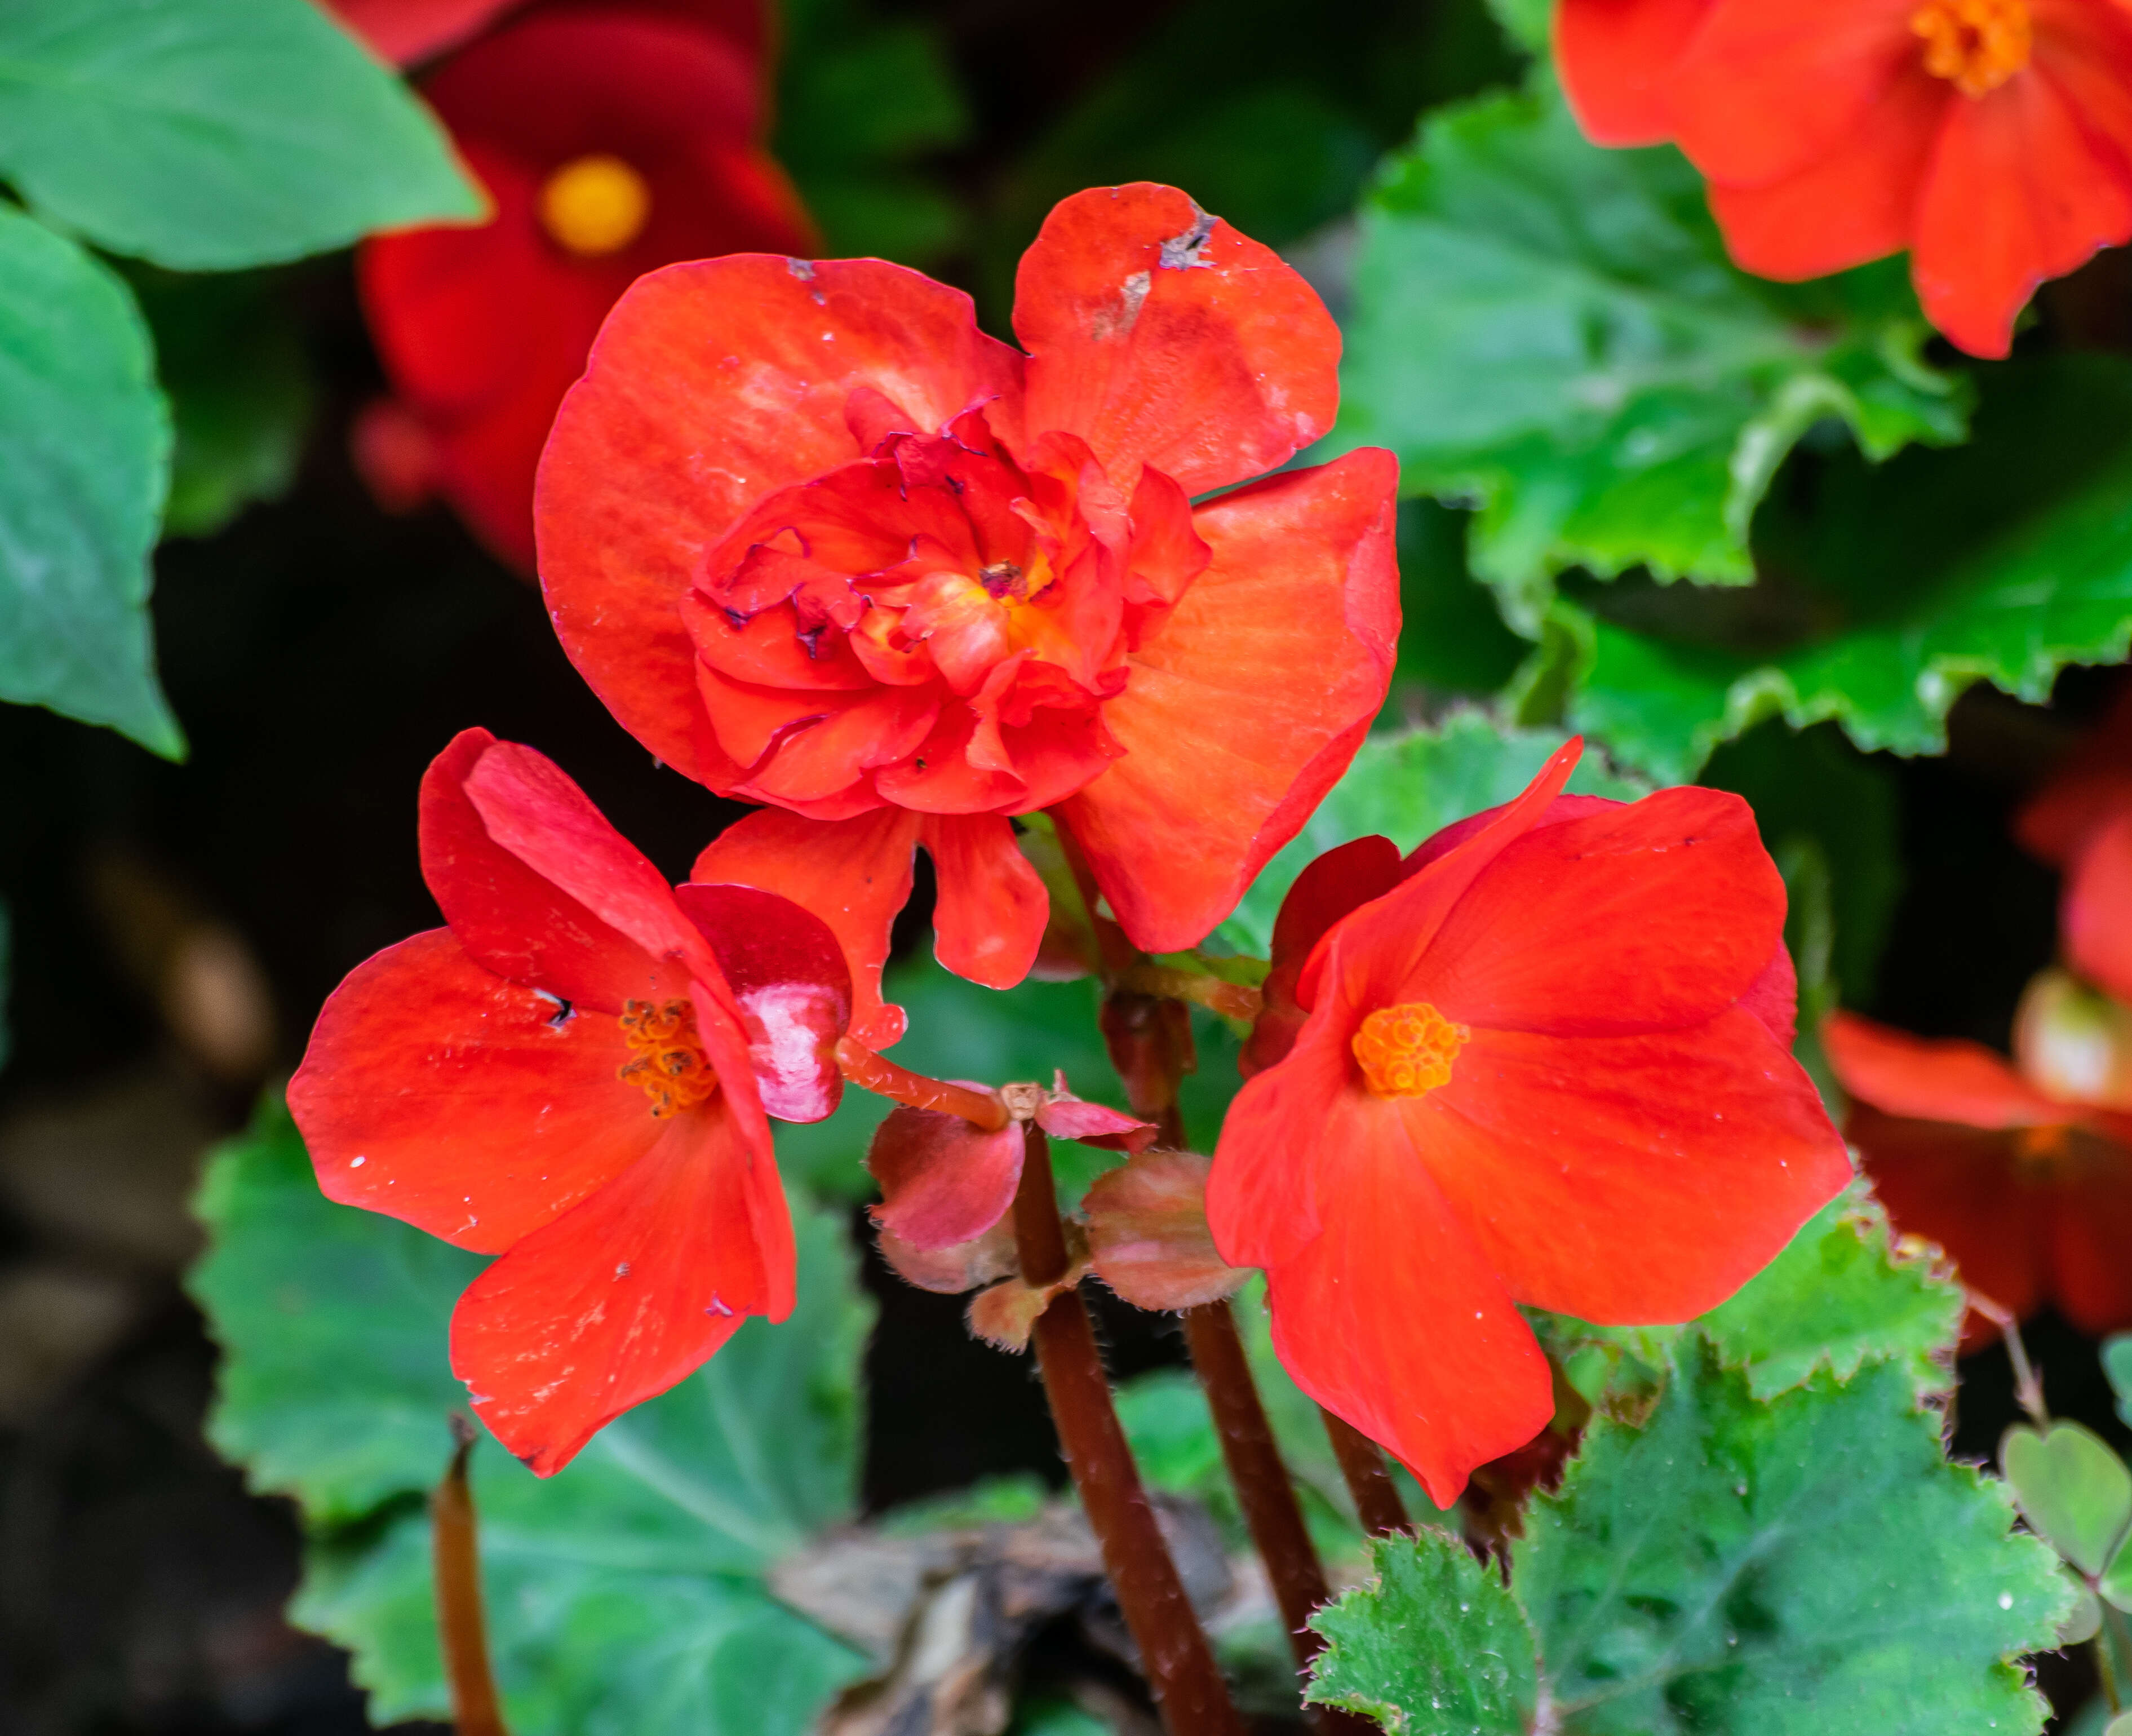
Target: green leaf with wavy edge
1408	785
1810	1565
84	461
1552	331
1887	591
626	1594
211	134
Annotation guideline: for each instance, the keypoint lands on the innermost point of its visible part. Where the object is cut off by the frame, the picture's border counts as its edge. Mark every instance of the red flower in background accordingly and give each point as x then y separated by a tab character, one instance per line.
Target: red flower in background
2081	822
612	143
2023	1174
1992	138
819	542
1545	1061
573	1074
407	31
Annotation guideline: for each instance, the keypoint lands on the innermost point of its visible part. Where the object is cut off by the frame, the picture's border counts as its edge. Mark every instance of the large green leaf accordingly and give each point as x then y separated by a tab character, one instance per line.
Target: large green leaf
1407	784
625	1594
1887	591
1553	330
84	458
210	134
1809	1564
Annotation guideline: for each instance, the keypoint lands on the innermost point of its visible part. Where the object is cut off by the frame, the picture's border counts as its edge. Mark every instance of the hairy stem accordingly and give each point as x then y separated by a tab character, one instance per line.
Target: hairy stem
1376	1495
462	1630
1218	994
1180	1666
881	1075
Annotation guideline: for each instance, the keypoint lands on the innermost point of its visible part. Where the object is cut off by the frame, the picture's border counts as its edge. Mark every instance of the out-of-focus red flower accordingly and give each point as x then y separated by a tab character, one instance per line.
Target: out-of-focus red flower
2081	822
611	144
1992	138
1547	1063
573	1074
820	543
2021	1172
409	31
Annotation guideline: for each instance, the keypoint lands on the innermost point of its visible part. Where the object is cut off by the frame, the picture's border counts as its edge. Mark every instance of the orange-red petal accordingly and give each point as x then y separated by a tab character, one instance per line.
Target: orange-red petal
437	1092
1615	58
1931	1079
618	1299
1248	704
988	919
2096	912
1162	336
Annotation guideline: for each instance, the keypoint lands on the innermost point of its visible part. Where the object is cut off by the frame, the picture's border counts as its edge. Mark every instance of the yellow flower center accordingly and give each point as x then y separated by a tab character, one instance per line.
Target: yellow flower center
1407	1050
666	1057
1977	44
594	205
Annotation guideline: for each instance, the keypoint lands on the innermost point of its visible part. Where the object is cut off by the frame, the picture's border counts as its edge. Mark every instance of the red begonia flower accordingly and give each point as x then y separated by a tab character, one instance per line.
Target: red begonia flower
611	144
406	31
820	543
1992	138
2081	821
573	1074
1545	1068
2022	1173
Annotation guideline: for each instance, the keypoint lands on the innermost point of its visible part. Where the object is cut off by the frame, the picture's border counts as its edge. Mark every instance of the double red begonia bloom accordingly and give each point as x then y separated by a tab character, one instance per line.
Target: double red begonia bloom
2022	1173
2081	822
1992	138
818	542
573	1074
1544	1060
409	31
612	143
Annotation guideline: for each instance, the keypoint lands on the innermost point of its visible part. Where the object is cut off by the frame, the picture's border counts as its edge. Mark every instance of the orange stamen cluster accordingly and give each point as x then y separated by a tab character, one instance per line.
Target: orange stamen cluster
594	205
667	1056
1407	1050
1976	45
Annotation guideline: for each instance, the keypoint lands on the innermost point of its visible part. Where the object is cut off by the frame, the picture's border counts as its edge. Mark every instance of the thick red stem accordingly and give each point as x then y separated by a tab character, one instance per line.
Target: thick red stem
462	1630
881	1075
1179	1664
1376	1495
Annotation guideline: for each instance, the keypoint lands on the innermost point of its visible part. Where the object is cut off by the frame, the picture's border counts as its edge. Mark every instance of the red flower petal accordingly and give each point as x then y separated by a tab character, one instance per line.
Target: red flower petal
712	384
1148	1237
512	918
1932	1079
855	874
1248	702
1773	998
438	1093
1629	1180
2096	913
1392	1320
1646	916
618	1299
1344	877
989	915
1163	337
943	1181
1856	201
1615	58
2018	191
1264	1200
1767	86
1092	1123
2090	1228
2088	789
406	31
792	989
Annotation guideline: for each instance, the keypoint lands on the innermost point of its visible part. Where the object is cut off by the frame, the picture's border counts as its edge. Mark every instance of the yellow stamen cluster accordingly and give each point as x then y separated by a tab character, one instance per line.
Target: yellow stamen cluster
1976	45
667	1056
1407	1050
594	205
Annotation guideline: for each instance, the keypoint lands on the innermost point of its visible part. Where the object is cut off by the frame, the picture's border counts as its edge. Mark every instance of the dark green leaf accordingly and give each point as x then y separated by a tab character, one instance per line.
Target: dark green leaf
210	134
2074	1492
1451	636
85	457
1552	329
1408	785
1886	591
626	1594
2117	1364
1435	1643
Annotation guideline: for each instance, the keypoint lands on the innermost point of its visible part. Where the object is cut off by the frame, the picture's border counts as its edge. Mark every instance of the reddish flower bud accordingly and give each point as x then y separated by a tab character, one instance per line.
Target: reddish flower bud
1148	1237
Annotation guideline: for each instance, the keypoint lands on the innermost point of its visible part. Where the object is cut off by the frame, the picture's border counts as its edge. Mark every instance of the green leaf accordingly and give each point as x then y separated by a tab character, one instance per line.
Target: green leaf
2117	1364
1838	1296
1408	785
1810	1565
1435	1642
1552	331
85	457
210	134
2074	1492
1887	591
232	364
1452	636
626	1594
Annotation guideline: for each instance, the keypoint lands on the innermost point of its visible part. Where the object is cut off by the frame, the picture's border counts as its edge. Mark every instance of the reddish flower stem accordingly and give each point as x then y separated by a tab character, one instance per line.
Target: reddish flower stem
878	1074
1218	994
462	1631
1179	1664
1376	1495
